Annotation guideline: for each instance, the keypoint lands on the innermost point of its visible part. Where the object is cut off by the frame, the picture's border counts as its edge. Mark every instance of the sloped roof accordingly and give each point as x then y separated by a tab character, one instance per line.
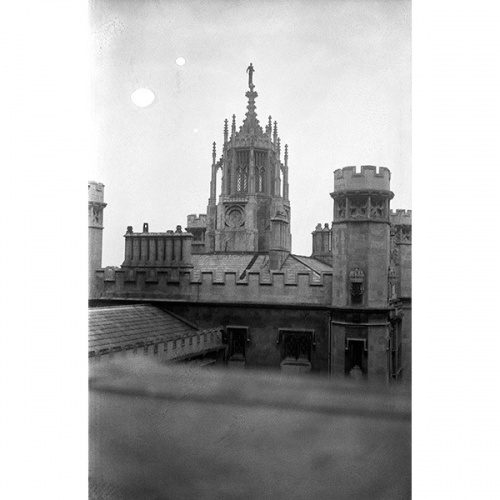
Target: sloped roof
115	326
312	263
240	263
237	263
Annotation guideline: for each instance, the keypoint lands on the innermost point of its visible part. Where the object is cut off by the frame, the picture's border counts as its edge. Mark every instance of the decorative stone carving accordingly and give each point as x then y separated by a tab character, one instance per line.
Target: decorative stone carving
377	208
340	205
235	217
392	275
392	278
357	279
405	234
357	275
95	213
358	207
394	250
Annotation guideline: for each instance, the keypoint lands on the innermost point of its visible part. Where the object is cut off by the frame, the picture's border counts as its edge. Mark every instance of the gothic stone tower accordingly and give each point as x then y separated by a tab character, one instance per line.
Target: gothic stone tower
252	213
361	318
95	217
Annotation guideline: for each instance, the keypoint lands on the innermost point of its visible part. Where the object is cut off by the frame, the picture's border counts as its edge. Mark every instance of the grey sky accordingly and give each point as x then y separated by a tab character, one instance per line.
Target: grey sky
336	75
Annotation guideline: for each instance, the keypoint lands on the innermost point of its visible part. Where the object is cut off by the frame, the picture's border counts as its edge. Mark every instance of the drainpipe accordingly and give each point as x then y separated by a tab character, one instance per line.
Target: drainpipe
329	345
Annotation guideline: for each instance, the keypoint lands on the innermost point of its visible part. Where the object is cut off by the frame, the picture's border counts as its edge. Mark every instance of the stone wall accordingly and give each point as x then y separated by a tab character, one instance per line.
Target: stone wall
275	287
265	348
366	246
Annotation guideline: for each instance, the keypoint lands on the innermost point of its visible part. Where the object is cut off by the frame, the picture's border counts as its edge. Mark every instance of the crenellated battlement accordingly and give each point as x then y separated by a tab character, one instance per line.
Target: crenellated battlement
96	192
193	285
370	178
194	220
400	217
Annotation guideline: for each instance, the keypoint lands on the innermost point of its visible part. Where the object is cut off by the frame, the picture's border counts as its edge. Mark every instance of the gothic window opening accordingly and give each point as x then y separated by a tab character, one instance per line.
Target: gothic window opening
218	182
245	180
242	180
239	179
260	170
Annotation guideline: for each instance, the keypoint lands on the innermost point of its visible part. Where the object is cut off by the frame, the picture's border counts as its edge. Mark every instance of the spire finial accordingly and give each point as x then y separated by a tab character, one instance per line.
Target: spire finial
225	130
286	155
250	71
213	153
275	133
233	125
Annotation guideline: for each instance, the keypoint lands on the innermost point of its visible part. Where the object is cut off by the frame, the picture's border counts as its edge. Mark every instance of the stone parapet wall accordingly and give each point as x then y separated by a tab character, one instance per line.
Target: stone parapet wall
96	192
278	287
182	347
368	179
400	217
194	220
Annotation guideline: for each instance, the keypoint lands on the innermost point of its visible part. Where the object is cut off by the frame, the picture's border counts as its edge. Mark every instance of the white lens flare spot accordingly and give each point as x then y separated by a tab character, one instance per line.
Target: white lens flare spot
142	97
180	61
195	130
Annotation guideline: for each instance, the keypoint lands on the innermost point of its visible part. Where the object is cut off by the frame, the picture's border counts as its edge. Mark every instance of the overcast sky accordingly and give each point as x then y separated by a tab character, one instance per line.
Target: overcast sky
336	75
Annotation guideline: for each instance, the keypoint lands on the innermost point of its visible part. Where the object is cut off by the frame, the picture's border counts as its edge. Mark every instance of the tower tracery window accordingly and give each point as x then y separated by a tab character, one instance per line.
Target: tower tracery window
243	159
260	170
242	179
259	179
238	179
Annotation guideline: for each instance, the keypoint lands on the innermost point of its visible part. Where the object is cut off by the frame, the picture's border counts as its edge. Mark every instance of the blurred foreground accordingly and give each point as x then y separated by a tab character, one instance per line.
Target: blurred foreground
179	432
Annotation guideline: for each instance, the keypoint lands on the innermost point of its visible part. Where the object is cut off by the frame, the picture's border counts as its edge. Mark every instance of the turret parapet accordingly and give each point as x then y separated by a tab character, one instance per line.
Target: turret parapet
368	179
400	217
96	192
194	220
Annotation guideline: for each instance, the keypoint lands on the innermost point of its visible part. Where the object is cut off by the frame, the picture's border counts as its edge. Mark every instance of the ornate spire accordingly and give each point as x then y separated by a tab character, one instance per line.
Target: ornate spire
225	130
251	123
275	133
286	155
214	155
233	125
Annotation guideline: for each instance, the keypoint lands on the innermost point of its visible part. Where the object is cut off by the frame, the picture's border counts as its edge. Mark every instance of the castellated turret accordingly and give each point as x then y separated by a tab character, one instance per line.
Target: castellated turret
360	265
95	222
360	235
